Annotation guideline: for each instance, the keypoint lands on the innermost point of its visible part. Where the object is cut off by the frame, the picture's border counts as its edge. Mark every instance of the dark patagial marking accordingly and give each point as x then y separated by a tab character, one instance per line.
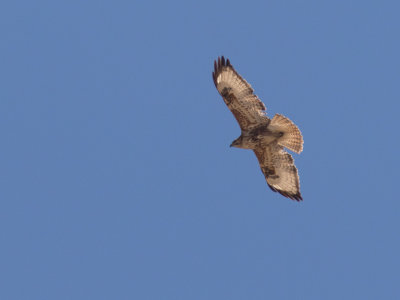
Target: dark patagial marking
243	122
269	172
229	99
225	91
228	96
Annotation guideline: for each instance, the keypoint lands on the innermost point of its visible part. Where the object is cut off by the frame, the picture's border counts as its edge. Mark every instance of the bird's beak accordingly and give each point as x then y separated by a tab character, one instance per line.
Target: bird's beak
231	145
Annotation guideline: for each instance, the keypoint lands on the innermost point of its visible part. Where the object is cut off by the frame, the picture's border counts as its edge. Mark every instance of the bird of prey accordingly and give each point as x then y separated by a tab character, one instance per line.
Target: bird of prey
266	137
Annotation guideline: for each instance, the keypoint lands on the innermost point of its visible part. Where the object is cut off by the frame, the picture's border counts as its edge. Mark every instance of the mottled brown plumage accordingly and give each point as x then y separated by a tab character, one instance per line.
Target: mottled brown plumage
266	137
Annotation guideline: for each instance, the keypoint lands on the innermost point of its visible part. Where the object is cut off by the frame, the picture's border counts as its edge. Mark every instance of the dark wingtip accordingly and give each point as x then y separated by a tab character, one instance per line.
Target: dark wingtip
296	197
299	197
219	63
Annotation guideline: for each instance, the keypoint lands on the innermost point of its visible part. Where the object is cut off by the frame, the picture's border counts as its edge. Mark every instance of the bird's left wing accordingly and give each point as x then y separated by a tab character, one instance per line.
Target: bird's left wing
279	170
238	95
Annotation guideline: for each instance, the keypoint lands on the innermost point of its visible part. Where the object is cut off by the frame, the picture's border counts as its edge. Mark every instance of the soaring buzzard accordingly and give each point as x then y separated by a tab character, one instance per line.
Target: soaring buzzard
266	137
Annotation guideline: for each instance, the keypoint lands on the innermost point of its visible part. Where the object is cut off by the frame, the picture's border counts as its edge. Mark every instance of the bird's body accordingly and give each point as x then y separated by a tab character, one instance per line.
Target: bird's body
266	137
256	137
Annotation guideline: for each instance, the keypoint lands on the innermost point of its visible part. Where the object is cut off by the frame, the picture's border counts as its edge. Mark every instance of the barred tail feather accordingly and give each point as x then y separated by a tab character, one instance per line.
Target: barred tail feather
292	138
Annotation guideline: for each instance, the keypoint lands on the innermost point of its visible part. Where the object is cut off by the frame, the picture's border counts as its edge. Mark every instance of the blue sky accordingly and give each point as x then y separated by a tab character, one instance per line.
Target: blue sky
117	180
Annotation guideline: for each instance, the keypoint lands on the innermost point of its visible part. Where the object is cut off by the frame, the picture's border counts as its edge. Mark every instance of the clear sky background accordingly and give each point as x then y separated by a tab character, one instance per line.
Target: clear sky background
117	180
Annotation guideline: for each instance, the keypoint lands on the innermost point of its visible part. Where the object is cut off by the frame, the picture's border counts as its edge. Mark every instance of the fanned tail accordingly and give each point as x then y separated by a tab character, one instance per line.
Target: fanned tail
292	138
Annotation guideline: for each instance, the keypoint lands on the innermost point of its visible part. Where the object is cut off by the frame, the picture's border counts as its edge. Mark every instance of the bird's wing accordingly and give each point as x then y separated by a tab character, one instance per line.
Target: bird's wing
238	95
279	170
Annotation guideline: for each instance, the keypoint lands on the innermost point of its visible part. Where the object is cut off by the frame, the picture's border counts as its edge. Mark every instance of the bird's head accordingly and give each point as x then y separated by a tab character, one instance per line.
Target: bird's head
237	143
